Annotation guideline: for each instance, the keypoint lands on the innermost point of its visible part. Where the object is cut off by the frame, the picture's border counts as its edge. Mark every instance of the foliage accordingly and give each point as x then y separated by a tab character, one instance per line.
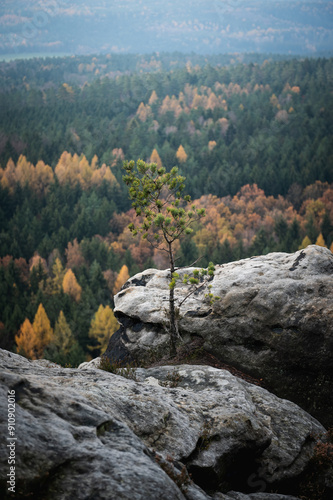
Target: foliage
34	338
63	348
116	368
26	341
270	122
122	277
43	331
157	196
70	286
103	325
172	379
251	132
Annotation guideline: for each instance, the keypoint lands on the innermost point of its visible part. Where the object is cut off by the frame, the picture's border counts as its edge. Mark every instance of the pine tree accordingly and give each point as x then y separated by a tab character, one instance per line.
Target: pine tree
157	196
103	325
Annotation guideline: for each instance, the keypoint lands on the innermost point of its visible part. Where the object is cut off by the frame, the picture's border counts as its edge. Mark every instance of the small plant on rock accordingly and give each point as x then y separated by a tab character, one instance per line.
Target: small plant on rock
115	367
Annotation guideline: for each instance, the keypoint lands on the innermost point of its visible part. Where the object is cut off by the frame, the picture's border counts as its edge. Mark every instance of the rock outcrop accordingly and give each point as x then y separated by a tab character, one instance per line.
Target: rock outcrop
86	433
273	321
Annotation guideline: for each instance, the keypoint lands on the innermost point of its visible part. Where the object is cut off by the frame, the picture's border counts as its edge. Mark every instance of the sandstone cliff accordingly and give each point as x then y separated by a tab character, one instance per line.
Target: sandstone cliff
89	434
274	321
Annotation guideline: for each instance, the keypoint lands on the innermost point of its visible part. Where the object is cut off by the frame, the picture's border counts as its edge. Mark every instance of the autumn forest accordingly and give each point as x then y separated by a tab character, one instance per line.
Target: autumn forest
252	137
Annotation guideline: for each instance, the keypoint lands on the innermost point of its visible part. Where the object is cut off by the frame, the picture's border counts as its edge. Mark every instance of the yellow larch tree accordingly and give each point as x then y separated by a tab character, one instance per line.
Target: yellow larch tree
306	242
153	98
103	325
62	338
181	154
122	277
211	145
8	176
143	112
44	177
58	276
42	329
26	341
71	287
320	241
212	101
155	158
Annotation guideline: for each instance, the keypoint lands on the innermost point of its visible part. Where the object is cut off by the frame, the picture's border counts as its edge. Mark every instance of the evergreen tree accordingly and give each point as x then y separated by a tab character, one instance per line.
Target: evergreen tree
157	197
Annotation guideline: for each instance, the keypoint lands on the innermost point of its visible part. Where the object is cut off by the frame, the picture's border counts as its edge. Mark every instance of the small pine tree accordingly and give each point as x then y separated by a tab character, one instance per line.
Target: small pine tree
157	197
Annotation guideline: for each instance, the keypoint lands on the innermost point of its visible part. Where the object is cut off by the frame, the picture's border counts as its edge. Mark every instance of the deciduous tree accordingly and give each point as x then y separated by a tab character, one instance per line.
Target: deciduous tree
122	277
27	341
181	154
42	329
71	286
103	325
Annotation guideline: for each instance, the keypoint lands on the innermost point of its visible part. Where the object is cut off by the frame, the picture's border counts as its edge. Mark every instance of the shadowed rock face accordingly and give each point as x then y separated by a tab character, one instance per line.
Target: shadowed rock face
85	433
274	321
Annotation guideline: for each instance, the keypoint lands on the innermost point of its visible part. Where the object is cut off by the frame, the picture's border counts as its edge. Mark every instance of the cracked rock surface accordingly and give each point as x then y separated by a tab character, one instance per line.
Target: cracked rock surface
274	320
86	433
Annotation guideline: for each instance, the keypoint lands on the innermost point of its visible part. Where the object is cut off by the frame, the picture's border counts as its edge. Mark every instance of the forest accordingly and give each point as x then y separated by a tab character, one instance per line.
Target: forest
253	139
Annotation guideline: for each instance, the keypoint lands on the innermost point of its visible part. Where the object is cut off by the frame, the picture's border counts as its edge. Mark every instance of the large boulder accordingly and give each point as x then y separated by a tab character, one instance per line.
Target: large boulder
86	433
273	321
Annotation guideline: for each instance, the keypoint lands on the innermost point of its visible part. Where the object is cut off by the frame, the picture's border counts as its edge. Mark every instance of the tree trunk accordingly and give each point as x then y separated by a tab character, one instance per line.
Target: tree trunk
172	312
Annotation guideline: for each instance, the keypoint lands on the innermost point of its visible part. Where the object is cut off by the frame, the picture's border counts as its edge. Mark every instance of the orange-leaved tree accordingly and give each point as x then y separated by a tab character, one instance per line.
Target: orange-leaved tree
34	338
27	341
71	287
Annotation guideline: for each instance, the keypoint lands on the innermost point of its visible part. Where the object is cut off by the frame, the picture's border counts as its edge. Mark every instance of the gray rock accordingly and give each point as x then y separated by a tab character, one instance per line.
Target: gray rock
92	434
274	321
257	496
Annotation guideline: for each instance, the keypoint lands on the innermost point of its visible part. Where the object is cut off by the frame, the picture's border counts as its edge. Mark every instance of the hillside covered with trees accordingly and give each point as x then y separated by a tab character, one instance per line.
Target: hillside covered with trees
254	141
